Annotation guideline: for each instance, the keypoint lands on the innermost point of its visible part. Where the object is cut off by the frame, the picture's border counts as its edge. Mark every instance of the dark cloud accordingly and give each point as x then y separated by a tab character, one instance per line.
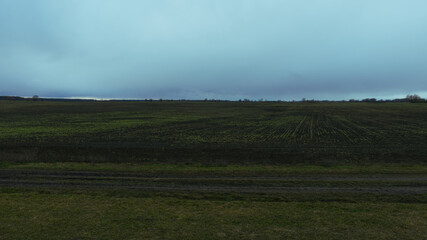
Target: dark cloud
194	49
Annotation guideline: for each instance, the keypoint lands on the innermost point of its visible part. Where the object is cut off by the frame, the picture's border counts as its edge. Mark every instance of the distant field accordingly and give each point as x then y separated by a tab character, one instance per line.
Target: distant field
213	132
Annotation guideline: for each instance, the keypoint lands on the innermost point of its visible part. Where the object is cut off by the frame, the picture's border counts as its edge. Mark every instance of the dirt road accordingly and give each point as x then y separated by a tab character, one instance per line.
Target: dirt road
386	183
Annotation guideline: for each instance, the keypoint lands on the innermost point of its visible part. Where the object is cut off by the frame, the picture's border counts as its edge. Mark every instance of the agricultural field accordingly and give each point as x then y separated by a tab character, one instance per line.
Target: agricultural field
212	170
213	132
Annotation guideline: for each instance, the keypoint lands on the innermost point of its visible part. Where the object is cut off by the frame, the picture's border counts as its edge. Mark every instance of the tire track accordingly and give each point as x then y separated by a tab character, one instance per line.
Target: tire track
394	184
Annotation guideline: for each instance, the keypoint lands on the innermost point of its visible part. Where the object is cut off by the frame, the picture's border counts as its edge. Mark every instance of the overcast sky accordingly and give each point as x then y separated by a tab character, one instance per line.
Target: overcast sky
228	49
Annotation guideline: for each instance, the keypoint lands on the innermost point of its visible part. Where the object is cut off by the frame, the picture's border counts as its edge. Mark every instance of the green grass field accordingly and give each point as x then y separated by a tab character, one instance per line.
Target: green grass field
212	170
80	216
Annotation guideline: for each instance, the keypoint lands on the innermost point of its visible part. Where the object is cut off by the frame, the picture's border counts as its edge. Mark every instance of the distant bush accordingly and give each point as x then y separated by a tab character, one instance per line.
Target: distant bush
415	99
369	100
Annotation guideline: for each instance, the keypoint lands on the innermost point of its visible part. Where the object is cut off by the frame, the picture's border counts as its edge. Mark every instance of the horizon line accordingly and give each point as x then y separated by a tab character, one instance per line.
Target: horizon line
85	98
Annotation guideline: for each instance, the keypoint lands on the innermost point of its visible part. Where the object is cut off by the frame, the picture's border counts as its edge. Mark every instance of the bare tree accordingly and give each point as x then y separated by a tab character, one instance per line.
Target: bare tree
415	98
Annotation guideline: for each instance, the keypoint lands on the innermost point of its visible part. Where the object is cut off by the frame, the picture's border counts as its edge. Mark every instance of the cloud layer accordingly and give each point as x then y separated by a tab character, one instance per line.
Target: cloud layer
273	49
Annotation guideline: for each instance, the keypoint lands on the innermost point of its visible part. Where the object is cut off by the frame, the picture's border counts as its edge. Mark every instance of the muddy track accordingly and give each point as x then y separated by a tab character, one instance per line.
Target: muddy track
387	184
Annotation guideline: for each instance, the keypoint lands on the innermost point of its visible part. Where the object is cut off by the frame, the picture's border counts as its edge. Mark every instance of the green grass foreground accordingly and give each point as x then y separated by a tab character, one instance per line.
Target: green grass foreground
38	215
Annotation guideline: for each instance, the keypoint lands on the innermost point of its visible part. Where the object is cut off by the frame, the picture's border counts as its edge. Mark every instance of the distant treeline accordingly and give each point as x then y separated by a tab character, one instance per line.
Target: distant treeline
15	98
409	98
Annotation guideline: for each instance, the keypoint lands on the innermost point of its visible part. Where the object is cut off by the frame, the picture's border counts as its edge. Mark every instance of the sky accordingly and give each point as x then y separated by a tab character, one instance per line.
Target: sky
215	49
